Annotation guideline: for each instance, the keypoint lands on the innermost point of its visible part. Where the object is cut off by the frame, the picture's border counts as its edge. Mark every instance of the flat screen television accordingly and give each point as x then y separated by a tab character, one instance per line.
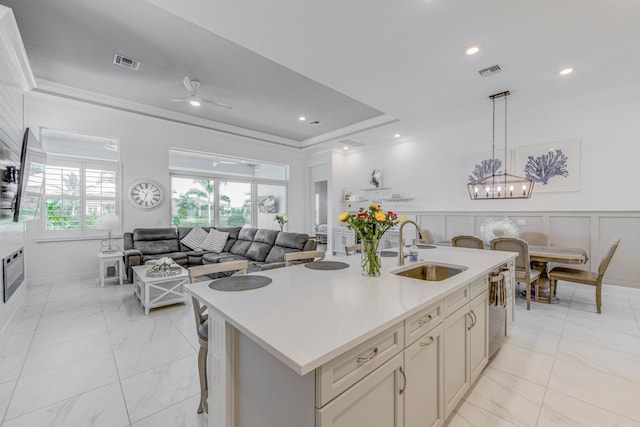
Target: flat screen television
12	179
9	177
22	173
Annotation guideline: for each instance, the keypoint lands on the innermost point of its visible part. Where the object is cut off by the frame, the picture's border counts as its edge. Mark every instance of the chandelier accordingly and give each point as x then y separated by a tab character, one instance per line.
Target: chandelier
500	185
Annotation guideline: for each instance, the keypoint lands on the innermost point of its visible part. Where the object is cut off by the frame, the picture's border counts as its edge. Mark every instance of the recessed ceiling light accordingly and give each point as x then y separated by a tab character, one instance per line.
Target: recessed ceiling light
302	118
345	147
397	135
566	71
473	50
195	102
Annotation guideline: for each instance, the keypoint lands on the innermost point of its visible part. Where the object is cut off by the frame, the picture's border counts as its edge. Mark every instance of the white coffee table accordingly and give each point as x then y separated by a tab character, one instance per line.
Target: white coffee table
159	291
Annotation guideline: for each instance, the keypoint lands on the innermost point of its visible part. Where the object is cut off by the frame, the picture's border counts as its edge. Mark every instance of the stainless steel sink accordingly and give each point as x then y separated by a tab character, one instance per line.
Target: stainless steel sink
430	271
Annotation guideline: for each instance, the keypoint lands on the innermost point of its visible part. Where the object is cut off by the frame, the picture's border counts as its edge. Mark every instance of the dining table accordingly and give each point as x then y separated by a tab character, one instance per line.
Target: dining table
541	256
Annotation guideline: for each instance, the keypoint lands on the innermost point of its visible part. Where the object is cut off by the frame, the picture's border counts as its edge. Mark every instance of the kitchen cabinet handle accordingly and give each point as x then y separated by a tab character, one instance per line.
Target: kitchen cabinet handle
470	317
426	343
425	320
373	354
404	387
475	318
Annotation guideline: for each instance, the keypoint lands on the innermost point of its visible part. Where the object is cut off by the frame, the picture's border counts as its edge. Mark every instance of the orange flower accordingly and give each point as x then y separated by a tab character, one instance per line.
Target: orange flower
374	206
380	216
344	216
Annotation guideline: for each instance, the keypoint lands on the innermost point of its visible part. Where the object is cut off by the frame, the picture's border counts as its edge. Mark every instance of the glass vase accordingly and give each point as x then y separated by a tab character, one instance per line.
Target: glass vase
370	257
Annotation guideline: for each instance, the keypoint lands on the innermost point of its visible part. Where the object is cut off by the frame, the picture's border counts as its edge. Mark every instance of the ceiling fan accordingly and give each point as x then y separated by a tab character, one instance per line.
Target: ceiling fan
194	99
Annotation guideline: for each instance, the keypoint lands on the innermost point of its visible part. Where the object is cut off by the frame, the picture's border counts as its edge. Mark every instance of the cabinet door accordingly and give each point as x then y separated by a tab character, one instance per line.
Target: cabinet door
376	401
423	400
337	241
479	334
456	358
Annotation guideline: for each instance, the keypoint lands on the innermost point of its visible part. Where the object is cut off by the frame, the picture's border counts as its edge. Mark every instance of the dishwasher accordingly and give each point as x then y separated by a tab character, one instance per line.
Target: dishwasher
501	308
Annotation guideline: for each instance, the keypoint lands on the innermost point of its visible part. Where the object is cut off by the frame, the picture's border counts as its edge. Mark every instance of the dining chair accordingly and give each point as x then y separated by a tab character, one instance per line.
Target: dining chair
535	238
426	236
462	241
523	271
352	249
585	277
196	274
293	258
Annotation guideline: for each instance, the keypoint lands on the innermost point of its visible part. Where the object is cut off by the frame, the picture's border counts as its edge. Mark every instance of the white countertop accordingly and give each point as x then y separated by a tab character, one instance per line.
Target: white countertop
307	317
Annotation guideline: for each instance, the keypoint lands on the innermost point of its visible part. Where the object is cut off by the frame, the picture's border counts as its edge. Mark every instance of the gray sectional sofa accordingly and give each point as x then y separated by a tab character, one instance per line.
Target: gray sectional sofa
263	248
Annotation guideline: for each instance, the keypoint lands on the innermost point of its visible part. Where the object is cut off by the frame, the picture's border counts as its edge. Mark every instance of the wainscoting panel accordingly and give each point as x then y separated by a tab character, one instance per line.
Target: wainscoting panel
624	267
573	231
457	224
589	230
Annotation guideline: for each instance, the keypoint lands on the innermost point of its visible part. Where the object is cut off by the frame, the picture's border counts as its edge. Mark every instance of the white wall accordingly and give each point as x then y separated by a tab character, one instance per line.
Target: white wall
15	79
430	167
144	143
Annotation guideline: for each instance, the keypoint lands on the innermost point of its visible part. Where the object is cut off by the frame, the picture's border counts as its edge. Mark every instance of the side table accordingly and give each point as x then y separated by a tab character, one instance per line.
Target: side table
106	257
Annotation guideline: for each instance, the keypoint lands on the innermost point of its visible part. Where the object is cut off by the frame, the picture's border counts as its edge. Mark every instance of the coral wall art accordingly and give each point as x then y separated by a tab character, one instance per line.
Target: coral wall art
554	166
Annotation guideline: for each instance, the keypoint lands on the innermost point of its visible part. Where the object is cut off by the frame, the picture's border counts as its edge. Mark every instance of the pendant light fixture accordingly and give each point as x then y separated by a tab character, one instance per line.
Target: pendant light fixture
500	185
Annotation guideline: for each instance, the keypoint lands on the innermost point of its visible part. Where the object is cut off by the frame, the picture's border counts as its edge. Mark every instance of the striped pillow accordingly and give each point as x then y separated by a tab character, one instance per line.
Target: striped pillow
195	238
215	241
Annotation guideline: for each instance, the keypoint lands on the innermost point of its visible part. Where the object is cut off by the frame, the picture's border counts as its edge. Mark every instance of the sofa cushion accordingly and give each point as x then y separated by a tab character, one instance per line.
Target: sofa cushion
292	240
258	251
215	241
212	258
178	257
233	236
195	238
277	254
240	247
266	236
247	233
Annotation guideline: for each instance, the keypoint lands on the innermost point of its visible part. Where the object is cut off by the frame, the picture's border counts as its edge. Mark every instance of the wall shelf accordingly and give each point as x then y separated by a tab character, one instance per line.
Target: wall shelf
397	199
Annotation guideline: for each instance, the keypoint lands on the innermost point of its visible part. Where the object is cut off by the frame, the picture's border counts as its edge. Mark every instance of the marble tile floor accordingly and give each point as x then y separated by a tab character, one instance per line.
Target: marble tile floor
81	355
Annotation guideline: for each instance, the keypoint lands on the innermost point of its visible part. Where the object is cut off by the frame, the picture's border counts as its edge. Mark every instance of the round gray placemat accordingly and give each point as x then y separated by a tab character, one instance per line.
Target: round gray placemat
239	283
388	254
327	265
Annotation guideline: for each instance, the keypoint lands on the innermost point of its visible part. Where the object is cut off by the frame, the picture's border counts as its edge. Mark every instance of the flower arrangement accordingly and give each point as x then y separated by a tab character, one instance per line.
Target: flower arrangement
164	266
281	219
370	225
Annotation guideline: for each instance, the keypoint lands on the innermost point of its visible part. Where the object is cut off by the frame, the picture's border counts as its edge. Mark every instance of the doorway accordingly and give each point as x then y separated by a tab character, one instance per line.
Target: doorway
320	213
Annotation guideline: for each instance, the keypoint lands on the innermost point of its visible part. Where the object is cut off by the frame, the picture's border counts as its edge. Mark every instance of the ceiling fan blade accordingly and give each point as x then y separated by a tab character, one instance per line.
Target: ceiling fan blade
187	84
219	104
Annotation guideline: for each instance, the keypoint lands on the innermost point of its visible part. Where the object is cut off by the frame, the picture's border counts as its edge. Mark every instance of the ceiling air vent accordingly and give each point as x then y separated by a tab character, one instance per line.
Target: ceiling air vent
490	70
123	61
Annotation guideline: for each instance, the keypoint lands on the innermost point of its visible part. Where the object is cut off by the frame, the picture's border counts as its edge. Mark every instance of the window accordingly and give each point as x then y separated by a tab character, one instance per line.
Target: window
210	190
78	190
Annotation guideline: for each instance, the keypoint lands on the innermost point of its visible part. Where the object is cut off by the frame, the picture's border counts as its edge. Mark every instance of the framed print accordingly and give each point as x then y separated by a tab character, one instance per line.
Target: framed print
553	166
479	165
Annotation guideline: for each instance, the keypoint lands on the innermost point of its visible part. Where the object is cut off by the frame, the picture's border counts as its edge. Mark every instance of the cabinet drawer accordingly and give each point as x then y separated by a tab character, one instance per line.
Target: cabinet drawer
479	286
339	374
456	300
422	322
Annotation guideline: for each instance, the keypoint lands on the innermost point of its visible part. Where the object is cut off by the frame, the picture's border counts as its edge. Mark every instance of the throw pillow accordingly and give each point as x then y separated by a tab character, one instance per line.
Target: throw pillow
195	238
215	241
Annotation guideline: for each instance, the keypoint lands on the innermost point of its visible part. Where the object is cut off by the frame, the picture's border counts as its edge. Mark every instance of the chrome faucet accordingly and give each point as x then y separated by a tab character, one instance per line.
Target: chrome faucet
401	254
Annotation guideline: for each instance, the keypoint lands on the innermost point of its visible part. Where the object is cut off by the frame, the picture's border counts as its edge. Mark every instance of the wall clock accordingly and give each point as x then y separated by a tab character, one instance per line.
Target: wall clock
145	194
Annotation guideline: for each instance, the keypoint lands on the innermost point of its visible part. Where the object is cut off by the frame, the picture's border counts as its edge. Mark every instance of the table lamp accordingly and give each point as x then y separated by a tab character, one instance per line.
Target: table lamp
109	223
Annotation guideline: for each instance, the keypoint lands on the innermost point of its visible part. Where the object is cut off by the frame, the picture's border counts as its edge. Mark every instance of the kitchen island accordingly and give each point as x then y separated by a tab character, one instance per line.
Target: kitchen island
335	348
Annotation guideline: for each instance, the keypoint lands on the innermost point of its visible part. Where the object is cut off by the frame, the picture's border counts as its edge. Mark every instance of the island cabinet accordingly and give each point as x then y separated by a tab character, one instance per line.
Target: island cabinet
410	371
466	341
